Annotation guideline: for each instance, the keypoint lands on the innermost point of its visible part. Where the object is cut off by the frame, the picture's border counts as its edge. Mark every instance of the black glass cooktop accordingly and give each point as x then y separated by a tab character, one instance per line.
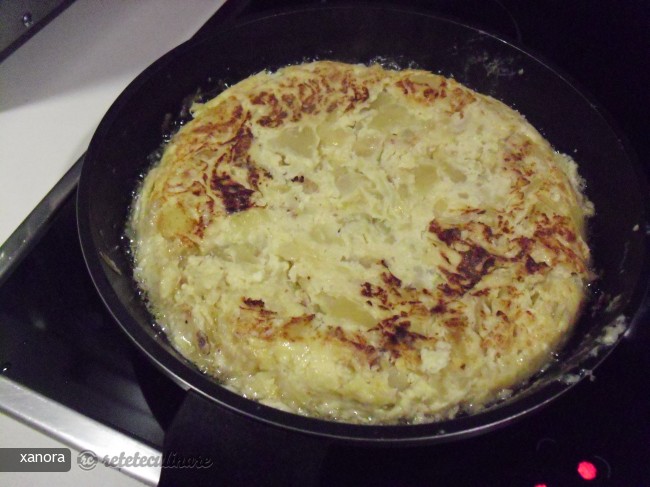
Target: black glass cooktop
57	338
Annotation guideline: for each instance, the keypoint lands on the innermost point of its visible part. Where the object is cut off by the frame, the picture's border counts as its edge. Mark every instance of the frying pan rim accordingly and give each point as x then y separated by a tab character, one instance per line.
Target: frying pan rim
180	371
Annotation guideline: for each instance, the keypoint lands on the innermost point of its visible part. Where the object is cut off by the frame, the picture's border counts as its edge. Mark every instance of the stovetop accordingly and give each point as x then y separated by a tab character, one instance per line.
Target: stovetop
58	339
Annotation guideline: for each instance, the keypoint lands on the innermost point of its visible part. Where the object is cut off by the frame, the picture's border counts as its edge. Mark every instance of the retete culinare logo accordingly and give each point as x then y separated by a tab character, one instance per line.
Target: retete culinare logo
87	460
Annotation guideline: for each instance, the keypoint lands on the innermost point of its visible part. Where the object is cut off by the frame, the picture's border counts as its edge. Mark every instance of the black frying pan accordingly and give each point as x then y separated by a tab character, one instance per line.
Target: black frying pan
217	422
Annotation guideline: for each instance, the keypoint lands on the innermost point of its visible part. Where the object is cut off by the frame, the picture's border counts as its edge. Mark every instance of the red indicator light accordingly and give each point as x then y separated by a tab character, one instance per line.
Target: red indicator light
540	485
587	470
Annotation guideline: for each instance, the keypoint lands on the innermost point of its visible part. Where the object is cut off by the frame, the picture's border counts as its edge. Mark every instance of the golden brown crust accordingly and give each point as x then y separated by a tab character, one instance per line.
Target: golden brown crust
391	227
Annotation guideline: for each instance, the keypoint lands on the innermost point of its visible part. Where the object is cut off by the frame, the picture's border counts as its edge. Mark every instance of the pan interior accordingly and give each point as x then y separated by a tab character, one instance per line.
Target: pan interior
139	120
